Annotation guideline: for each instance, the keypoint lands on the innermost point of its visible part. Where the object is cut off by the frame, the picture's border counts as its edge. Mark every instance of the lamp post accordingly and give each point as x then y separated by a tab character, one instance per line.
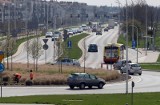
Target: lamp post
126	47
119	15
132	21
146	28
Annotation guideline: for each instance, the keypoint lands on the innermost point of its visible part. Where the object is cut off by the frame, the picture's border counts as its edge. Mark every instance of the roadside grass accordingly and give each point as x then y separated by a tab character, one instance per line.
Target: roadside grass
86	99
21	40
74	52
48	74
122	39
151	66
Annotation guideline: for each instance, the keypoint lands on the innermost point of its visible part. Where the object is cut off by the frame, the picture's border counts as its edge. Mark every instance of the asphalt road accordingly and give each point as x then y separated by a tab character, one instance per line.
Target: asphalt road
94	59
143	83
48	55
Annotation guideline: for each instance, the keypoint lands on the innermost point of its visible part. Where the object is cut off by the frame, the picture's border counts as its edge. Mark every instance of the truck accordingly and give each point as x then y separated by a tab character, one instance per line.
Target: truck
111	23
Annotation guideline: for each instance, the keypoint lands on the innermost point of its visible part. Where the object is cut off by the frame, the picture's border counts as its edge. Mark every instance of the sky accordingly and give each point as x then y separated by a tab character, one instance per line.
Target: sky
113	2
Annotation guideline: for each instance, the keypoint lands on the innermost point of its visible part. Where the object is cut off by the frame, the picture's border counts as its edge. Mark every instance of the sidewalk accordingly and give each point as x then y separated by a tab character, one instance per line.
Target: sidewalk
143	55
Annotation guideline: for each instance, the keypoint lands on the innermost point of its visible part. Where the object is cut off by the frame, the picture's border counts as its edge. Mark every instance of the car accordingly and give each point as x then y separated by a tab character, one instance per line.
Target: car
49	34
56	35
120	64
93	48
68	61
133	68
98	32
94	30
106	29
82	80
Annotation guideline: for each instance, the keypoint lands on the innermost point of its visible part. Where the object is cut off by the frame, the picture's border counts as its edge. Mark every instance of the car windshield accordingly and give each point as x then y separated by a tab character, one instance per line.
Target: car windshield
135	65
93	45
56	32
73	75
49	33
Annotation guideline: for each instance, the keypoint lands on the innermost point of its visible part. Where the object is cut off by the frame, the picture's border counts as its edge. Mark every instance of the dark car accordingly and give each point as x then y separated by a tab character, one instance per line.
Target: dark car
68	61
82	80
106	29
120	64
99	33
93	48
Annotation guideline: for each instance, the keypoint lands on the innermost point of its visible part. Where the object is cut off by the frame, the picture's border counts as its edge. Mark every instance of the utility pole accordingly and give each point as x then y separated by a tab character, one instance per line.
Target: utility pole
146	29
8	35
126	47
26	30
132	22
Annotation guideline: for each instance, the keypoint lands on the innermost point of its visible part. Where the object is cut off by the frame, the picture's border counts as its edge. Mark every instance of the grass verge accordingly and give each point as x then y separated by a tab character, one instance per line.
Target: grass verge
151	66
96	99
74	52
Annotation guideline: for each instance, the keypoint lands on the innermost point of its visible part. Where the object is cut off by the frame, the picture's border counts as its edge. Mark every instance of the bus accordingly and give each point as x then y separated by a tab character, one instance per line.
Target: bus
113	52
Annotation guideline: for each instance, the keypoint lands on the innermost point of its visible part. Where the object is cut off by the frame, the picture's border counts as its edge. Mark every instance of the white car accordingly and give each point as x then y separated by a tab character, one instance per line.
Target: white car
49	34
133	68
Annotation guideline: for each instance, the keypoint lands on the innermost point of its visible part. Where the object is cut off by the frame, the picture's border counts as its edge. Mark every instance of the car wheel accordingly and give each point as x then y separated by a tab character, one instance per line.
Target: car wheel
121	71
82	86
100	85
140	73
90	87
71	87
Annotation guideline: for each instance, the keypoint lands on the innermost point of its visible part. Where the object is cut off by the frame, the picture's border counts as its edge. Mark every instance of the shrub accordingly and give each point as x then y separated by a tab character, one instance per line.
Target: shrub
29	83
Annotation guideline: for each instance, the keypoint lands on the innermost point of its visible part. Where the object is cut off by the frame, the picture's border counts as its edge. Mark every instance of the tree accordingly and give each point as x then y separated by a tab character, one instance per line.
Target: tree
35	50
8	46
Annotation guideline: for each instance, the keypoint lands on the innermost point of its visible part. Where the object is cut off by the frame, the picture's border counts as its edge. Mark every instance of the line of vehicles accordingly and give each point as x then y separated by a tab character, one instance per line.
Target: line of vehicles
114	54
66	32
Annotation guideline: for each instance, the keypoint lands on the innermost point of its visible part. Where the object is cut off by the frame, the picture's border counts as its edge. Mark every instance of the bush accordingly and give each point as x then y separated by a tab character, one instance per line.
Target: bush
6	78
29	83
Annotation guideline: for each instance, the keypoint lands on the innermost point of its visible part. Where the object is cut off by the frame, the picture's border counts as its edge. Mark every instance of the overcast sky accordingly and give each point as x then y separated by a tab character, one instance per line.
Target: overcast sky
113	2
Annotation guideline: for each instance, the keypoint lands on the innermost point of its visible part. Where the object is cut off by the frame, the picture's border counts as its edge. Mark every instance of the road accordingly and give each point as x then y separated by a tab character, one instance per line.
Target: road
143	83
48	55
94	60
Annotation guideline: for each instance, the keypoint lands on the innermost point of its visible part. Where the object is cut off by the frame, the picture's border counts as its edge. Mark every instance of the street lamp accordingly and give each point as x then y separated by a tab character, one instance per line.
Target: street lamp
146	27
132	21
126	47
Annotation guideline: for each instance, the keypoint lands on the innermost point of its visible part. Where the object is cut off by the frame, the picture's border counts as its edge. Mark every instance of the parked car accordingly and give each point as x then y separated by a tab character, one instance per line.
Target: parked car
93	48
82	80
120	64
68	61
48	34
133	68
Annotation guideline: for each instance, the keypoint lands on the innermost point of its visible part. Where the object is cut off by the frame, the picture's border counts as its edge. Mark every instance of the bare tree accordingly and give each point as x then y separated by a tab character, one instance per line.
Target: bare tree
35	51
8	46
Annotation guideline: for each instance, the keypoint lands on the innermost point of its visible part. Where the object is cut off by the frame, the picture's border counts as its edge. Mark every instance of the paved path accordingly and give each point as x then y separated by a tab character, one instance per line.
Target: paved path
143	55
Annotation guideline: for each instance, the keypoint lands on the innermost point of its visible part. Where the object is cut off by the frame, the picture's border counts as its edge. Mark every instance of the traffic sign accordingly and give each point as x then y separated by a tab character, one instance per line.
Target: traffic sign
1	55
133	44
69	44
45	46
1	68
45	40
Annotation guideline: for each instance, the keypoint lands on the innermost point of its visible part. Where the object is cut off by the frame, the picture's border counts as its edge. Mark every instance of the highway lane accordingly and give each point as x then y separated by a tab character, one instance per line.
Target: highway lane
148	82
94	59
